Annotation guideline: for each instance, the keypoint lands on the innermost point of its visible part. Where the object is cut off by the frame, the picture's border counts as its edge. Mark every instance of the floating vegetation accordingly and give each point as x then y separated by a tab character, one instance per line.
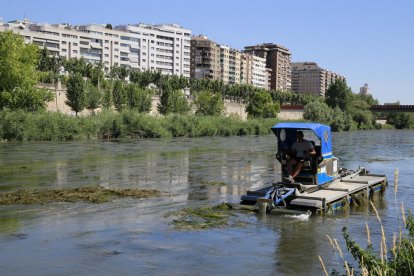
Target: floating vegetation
213	183
94	194
206	217
373	160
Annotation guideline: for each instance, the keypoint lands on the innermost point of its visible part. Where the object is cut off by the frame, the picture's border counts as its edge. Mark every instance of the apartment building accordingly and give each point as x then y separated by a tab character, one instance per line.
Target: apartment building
278	59
219	62
205	59
309	78
331	77
138	46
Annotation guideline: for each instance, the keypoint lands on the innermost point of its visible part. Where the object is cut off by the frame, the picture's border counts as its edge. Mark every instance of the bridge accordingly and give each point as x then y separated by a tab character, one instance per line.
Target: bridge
392	108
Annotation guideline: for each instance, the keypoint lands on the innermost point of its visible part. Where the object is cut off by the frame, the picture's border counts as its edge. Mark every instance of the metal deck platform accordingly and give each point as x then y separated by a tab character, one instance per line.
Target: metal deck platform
321	197
337	190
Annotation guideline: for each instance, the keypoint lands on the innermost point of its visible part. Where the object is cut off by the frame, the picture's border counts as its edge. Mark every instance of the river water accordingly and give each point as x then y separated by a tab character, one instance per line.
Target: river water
131	236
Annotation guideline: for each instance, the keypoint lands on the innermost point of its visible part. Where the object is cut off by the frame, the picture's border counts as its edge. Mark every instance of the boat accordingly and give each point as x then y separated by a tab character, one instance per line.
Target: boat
322	186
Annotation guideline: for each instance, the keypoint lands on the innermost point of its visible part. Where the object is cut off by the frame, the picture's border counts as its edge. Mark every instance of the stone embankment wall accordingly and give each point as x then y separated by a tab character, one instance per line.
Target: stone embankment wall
58	104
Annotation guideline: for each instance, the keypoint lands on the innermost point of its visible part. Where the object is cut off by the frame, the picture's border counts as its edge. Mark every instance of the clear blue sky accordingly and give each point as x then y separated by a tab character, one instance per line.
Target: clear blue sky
367	41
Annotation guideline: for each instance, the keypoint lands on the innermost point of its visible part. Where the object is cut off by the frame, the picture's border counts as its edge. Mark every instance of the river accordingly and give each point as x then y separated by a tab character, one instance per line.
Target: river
130	236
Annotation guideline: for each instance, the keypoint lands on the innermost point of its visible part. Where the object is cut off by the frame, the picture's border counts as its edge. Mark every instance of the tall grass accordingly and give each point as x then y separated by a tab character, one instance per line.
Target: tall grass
46	126
395	257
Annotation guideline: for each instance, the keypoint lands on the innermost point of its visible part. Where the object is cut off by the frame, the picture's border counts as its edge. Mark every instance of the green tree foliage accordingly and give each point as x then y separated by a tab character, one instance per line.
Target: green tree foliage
209	104
18	75
107	99
93	96
76	96
340	120
358	108
338	94
119	95
318	111
95	73
172	101
119	73
261	105
75	66
49	66
142	79
139	99
401	120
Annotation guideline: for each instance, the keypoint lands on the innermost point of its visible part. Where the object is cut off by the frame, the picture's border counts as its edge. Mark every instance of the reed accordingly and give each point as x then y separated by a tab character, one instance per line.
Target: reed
47	126
399	260
395	257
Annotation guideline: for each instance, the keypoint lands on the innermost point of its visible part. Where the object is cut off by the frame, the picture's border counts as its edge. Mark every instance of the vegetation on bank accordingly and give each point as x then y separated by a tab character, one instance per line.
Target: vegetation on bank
47	126
125	96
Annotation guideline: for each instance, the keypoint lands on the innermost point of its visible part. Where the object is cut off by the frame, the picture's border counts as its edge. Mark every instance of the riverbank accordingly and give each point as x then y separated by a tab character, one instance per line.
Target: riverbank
51	126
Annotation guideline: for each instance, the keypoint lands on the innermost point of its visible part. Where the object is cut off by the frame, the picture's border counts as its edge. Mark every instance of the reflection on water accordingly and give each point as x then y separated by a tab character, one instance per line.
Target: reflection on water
134	236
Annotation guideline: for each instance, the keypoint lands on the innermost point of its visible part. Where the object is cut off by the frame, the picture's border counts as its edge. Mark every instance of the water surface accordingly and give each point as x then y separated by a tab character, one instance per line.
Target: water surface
130	236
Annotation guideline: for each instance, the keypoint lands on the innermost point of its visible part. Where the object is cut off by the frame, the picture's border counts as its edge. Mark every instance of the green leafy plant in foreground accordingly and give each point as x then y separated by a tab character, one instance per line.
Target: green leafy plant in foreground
395	258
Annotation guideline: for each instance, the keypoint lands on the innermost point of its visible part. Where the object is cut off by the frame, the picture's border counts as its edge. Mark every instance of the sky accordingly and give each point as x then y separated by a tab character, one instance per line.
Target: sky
366	41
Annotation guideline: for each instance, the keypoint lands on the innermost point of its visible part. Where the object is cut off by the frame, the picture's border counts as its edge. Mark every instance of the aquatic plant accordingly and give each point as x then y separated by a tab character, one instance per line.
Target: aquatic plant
205	217
94	194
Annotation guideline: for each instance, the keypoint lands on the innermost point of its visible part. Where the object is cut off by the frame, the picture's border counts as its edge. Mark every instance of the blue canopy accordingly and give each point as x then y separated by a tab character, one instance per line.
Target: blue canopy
323	132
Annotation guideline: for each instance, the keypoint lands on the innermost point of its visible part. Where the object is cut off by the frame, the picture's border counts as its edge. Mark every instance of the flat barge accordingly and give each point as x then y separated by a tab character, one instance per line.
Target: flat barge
321	186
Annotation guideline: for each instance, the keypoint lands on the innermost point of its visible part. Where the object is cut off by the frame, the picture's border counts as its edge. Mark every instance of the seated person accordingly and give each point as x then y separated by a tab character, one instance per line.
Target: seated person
301	150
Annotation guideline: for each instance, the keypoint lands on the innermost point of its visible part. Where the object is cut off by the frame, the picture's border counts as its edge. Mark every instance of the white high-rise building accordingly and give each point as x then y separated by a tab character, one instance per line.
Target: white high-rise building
141	46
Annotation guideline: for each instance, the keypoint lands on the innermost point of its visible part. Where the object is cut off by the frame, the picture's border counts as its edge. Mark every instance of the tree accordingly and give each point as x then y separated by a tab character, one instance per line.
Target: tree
209	104
107	99
260	105
76	96
172	101
75	66
318	111
18	75
93	96
400	120
139	99
359	110
49	65
338	94
119	95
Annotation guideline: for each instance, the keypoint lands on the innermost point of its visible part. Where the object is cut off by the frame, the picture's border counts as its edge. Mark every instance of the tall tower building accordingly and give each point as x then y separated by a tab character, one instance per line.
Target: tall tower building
278	59
364	89
309	78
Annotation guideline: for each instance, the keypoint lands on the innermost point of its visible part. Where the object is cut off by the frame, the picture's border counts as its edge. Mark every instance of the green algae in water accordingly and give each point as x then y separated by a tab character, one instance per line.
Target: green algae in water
206	217
213	183
93	194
